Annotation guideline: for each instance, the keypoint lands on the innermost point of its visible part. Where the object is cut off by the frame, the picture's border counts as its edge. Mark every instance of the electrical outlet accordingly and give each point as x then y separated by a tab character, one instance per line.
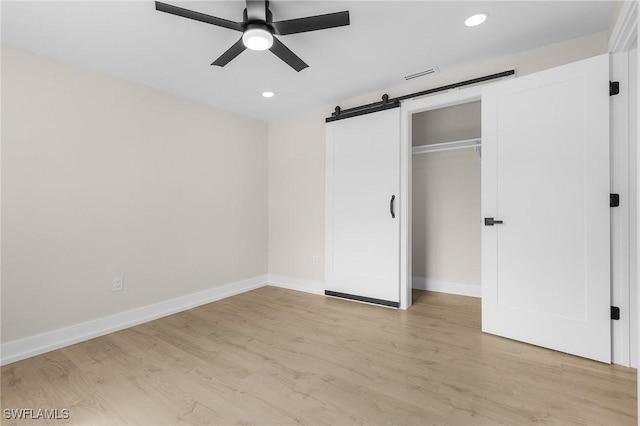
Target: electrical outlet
118	283
315	260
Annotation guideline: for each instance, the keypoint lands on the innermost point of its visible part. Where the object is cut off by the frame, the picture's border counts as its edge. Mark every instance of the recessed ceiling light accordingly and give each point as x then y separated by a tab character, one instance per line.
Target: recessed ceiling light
268	94
474	20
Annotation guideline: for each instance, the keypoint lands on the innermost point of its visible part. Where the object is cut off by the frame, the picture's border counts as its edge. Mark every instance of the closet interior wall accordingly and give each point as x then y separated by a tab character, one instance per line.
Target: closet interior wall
446	221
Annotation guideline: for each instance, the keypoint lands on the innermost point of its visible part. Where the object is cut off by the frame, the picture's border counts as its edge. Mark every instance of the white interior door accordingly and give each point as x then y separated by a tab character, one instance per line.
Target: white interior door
362	222
545	175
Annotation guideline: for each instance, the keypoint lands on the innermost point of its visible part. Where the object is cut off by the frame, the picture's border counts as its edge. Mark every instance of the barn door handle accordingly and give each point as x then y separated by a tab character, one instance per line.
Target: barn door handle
489	221
393	215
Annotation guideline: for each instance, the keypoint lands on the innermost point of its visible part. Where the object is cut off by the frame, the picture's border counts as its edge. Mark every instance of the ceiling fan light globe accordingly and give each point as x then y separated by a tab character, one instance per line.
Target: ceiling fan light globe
257	39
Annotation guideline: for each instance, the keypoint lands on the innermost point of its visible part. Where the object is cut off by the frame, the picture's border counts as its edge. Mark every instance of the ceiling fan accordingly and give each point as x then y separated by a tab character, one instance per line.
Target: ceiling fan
258	29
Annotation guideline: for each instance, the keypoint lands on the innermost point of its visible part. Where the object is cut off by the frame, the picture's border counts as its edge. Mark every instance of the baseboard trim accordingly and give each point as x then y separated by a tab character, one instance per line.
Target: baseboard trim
314	287
35	345
462	289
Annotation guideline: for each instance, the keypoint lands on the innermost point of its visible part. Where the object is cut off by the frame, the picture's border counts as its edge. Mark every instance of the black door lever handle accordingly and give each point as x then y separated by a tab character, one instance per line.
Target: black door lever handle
489	221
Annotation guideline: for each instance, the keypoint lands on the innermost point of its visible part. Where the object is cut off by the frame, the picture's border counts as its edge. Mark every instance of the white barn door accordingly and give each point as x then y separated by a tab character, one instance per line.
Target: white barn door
362	222
545	177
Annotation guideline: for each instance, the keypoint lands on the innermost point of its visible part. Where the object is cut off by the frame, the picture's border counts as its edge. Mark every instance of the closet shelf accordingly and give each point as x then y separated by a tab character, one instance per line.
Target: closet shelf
446	146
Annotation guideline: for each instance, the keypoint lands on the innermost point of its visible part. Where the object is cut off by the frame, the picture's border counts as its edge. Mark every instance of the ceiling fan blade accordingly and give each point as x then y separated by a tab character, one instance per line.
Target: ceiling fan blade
312	23
283	52
231	53
197	16
257	10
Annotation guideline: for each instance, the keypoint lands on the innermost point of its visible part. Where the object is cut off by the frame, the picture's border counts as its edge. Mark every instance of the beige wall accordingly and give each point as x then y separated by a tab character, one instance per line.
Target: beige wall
287	255
454	123
296	196
446	197
617	8
526	62
446	216
101	177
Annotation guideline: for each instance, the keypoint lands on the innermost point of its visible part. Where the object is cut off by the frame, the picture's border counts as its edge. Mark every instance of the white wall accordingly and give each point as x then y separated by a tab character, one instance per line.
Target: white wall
101	177
296	155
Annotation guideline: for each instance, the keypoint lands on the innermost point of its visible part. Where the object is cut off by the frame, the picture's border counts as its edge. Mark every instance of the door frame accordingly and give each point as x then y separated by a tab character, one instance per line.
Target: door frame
622	285
624	132
407	110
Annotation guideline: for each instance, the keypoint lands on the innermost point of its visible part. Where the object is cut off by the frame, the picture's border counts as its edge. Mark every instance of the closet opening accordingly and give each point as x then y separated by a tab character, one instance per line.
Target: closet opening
444	180
445	212
440	194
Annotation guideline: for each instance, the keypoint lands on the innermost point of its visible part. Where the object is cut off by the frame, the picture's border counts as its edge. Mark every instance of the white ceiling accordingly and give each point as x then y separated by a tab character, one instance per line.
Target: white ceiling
385	41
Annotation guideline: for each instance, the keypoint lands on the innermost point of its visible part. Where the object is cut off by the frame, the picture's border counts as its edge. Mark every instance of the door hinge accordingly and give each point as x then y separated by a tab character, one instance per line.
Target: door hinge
614	200
614	88
615	313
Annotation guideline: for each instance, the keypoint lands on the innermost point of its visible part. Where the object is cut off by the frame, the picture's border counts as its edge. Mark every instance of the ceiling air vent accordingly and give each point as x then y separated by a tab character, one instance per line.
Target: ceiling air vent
422	73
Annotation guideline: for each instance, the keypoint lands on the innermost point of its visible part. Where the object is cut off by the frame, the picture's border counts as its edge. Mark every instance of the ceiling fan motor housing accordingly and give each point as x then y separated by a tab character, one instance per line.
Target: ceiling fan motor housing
269	15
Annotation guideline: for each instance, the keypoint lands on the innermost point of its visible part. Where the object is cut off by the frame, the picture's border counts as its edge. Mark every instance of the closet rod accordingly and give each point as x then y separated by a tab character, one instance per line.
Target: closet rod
447	146
386	102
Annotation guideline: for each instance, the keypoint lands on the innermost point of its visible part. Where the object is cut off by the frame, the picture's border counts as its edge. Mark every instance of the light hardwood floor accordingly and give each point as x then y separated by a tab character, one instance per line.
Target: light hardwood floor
274	356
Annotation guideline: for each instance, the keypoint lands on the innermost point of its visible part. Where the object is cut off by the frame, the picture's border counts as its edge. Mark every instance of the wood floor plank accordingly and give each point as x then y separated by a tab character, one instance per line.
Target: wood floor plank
279	357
